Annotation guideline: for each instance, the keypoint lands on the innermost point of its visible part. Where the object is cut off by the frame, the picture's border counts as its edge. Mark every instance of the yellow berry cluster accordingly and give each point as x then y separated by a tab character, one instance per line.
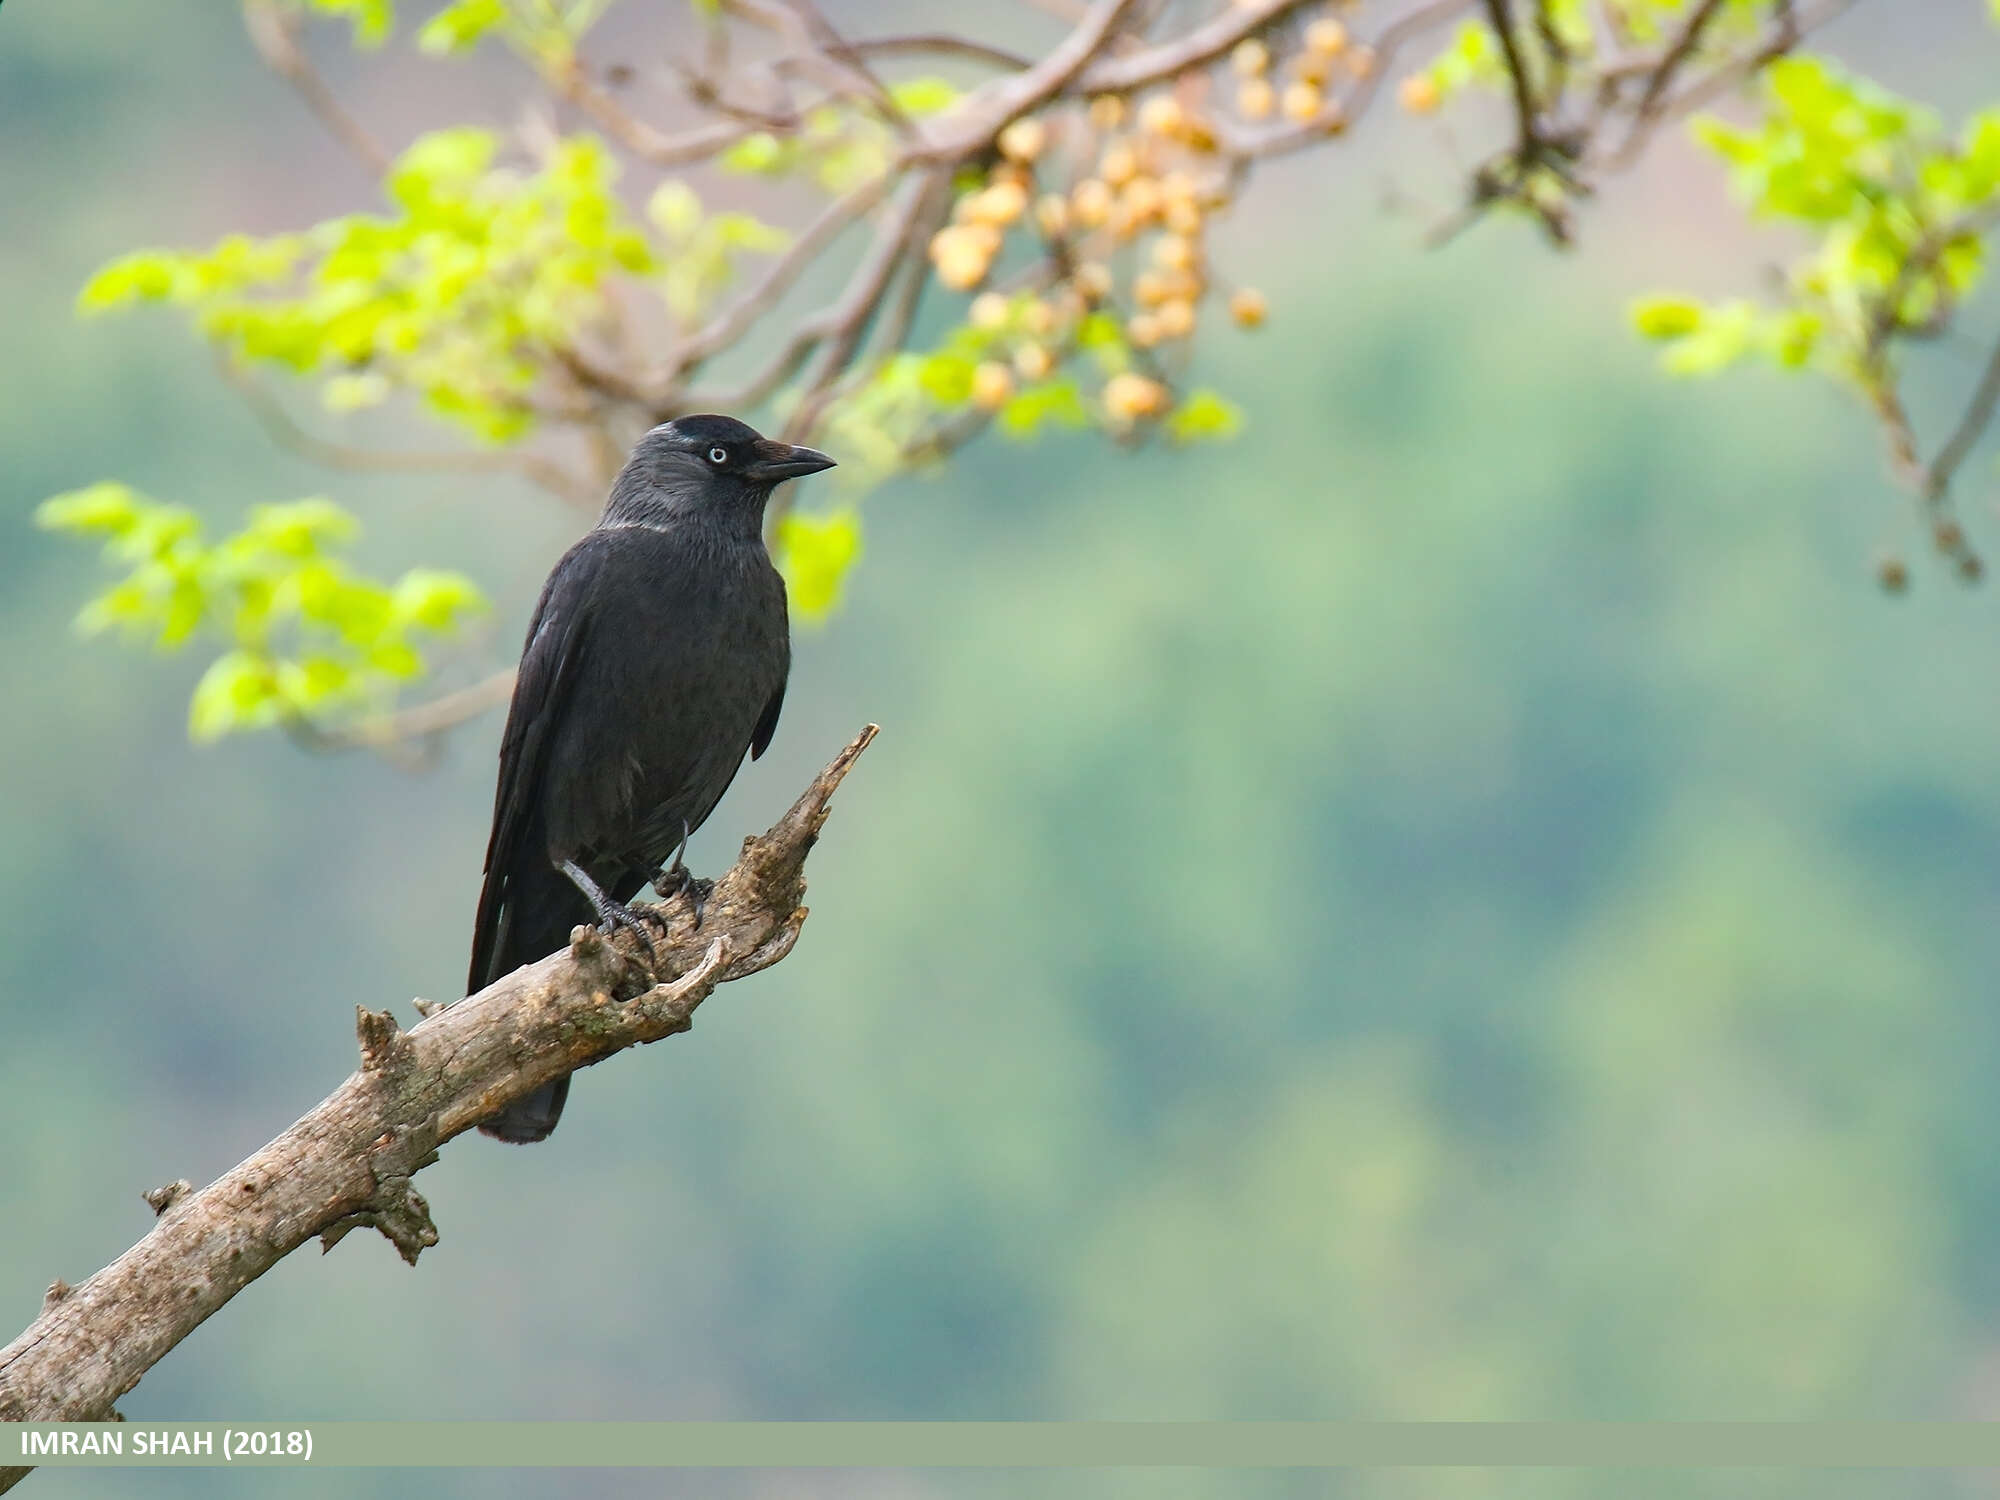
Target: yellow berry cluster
1148	174
1296	87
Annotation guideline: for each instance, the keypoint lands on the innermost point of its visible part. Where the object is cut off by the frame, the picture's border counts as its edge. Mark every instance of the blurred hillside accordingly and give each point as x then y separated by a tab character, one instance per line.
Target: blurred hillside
1463	903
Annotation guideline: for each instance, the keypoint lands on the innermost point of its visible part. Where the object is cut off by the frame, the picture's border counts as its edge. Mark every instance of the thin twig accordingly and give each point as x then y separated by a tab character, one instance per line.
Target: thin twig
940	43
283	430
1193	49
641	139
419	721
1972	425
971	126
897	238
736	320
274	33
1678	52
1527	123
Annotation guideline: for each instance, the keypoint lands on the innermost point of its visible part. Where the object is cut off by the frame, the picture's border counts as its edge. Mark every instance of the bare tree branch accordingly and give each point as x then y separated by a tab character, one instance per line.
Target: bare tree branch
1197	48
738	318
940	43
286	433
274	32
971	127
350	1162
420	721
1972	425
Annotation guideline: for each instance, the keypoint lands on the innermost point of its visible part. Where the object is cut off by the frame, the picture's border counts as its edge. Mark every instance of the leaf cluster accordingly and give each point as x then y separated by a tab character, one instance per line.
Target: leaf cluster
303	633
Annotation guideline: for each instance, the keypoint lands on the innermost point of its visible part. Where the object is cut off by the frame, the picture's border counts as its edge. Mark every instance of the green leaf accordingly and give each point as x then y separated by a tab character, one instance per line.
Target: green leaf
372	19
238	691
298	630
460	25
676	208
1204	416
923	96
1725	335
435	599
1666	317
143	276
757	153
947	378
1032	407
815	553
102	509
1101	337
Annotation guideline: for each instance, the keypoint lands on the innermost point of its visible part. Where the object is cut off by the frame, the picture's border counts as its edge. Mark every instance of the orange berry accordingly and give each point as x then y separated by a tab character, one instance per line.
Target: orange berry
1093	280
1176	318
1175	252
1091	201
1301	102
1256	99
1183	217
1119	166
962	254
999	205
992	385
1418	94
1250	58
1128	397
1162	115
1107	111
1023	140
1327	37
1151	288
1248	307
1143	329
1141	199
1052	214
1033	361
989	311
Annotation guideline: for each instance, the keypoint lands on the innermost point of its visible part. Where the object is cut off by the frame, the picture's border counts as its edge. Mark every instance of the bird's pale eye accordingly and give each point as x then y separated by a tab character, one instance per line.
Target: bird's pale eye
718	455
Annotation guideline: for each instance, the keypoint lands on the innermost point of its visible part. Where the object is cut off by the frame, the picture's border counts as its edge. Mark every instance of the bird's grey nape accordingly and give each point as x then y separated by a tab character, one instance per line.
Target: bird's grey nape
659	492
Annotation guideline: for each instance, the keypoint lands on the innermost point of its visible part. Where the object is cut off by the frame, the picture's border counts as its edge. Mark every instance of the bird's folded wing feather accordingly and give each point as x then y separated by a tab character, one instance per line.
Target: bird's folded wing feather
548	671
767	721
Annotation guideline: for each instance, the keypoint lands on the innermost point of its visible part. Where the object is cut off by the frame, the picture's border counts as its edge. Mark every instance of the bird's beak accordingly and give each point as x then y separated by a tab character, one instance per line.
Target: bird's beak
776	461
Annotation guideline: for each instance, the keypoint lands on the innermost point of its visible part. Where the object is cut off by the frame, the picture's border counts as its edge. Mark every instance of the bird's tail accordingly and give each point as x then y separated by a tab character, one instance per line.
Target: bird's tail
531	1118
525	915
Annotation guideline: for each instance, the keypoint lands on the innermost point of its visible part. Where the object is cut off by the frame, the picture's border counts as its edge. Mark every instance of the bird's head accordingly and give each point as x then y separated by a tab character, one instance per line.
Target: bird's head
706	465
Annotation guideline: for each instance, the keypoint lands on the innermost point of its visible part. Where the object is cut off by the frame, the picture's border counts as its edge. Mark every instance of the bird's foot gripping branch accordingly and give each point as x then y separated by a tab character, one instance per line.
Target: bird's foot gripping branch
349	1163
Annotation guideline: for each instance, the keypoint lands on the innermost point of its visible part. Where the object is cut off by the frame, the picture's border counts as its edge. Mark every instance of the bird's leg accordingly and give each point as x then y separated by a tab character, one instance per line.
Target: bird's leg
611	914
677	879
671	880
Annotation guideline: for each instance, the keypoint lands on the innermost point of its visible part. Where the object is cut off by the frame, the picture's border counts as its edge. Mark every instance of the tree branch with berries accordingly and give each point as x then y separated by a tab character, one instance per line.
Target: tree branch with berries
893	245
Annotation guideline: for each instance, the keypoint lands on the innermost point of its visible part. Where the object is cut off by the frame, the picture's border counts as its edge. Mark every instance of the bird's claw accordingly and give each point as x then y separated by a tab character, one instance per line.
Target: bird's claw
613	916
678	880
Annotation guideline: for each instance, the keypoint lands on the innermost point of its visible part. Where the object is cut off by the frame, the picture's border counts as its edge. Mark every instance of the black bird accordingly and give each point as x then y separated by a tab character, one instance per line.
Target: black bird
657	656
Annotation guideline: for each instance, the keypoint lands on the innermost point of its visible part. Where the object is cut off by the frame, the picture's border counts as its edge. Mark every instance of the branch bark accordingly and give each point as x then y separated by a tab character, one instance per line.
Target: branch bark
350	1162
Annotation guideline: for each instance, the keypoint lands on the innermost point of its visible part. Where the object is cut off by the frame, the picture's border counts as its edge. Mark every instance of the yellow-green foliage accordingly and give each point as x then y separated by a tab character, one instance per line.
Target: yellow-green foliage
1897	208
815	553
304	634
460	293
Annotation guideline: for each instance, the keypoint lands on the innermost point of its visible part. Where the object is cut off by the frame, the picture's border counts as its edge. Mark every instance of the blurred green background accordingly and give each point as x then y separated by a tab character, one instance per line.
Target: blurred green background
1462	903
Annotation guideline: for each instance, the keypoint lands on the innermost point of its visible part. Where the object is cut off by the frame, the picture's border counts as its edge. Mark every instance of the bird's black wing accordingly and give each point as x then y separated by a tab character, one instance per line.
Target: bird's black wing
767	722
549	667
